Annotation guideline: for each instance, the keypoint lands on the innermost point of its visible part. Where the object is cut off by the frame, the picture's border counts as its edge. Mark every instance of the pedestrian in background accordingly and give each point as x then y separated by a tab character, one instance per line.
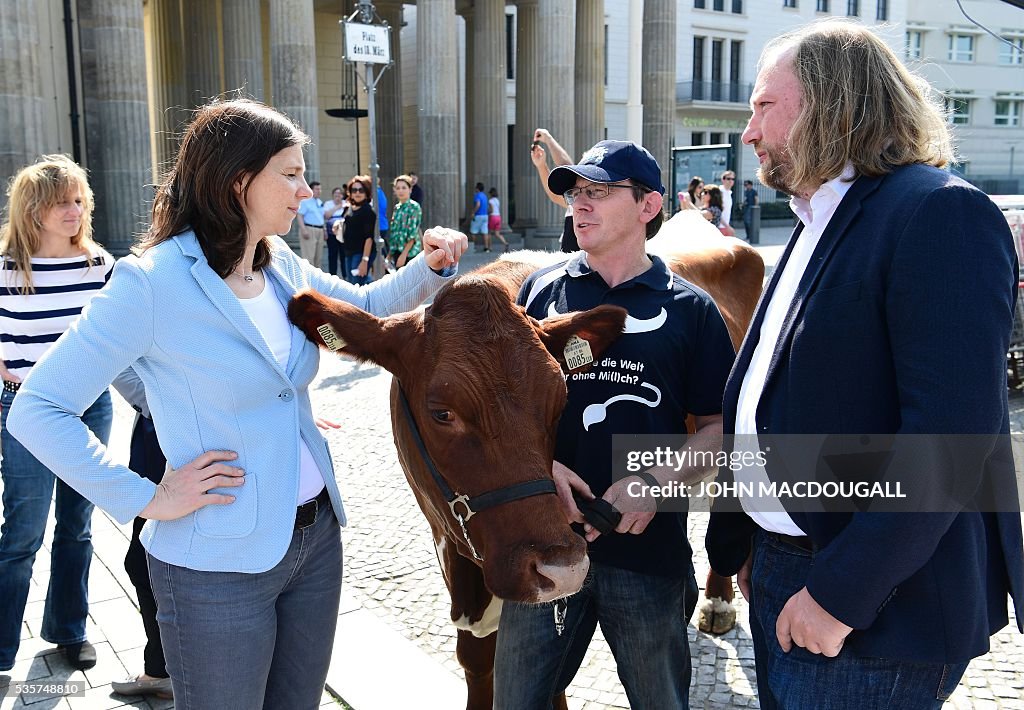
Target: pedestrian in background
494	220
51	269
405	224
334	210
311	227
358	227
749	202
243	542
711	204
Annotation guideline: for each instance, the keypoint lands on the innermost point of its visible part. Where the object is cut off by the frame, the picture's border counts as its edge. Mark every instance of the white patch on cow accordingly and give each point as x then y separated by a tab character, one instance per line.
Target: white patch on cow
439	545
487	624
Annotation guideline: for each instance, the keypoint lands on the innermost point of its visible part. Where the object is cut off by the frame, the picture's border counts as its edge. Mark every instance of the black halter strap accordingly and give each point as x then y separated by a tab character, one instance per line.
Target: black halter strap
475	504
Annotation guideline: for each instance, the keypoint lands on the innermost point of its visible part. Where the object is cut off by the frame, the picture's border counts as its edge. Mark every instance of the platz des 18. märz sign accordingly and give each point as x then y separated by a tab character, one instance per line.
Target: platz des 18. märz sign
370	44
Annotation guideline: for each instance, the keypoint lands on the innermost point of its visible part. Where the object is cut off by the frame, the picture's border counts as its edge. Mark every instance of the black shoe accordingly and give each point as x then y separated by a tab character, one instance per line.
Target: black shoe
80	655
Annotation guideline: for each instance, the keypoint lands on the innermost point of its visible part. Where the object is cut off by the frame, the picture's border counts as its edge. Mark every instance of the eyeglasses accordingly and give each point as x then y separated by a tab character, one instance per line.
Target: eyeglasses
597	191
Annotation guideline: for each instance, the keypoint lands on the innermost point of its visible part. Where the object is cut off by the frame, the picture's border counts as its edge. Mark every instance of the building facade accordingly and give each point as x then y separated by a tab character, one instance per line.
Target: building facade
113	82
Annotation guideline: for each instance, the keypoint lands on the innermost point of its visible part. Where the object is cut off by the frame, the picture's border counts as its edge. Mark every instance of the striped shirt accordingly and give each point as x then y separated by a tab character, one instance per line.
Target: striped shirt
30	325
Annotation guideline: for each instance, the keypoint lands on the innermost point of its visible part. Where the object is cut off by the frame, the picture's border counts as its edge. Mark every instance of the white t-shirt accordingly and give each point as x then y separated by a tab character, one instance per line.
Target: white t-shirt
269	317
495	207
726	204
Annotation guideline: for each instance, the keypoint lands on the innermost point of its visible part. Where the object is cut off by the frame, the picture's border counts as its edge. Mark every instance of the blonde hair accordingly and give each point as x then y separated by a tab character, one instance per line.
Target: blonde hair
31	193
402	178
859	105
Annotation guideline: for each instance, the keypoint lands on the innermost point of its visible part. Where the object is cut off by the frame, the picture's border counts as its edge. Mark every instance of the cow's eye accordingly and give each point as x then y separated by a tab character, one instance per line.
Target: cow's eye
442	415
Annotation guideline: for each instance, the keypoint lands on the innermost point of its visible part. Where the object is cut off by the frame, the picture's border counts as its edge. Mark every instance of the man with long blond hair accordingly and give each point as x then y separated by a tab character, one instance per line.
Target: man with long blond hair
887	319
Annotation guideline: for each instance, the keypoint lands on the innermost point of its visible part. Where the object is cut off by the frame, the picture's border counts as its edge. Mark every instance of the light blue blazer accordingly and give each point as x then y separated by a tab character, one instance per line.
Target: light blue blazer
211	383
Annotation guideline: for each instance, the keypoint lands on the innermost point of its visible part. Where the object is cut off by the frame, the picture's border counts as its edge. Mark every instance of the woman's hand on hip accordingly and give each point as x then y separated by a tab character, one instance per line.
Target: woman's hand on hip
186	489
443	247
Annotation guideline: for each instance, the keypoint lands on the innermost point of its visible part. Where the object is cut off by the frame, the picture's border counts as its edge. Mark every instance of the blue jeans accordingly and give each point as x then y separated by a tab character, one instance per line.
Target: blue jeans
237	641
801	680
28	490
352	262
643	618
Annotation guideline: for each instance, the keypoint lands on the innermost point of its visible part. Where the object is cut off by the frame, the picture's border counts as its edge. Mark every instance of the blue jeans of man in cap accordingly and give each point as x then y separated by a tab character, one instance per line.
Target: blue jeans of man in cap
28	490
236	641
800	680
643	617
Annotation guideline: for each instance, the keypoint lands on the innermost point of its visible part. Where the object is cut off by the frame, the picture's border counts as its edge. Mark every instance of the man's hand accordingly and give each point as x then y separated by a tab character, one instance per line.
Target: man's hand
637	512
443	247
743	576
566	481
541	135
538	156
185	490
804	622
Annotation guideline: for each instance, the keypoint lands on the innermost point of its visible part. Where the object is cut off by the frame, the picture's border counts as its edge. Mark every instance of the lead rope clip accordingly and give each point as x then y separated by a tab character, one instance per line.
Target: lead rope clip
560	609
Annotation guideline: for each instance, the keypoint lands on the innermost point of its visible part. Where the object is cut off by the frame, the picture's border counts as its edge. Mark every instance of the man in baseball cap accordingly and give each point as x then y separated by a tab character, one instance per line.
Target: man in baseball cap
671	360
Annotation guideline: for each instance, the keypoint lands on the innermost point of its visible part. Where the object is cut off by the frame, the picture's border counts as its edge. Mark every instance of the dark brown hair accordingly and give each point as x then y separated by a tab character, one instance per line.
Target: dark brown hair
364	182
714	192
226	142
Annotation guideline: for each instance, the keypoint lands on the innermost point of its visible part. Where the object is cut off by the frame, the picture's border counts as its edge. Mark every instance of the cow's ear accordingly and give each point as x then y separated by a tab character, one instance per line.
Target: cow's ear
343	328
597	328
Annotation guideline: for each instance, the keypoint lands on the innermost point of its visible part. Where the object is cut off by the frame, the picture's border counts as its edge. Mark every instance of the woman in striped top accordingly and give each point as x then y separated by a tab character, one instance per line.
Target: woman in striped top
51	268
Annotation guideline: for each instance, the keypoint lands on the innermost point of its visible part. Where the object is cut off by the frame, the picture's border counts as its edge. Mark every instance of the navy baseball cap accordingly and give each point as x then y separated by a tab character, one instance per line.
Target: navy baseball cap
610	161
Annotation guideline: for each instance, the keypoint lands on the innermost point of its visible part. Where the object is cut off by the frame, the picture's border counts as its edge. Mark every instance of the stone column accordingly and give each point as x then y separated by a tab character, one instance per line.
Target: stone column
634	107
293	71
117	120
659	85
589	73
555	93
243	47
487	127
465	120
171	111
438	112
202	60
529	194
21	101
390	141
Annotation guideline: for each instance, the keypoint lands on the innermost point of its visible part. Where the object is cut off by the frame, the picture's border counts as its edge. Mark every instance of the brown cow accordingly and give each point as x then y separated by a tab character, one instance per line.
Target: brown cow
484	385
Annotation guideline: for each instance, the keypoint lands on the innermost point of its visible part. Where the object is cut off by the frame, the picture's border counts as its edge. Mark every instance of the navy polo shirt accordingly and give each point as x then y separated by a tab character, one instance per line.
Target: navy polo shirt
672	360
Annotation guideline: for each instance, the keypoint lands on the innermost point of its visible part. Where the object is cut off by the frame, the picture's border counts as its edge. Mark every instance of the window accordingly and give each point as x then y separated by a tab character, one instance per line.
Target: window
714	139
719	5
882	11
510	46
822	6
961	48
737	7
853	8
1014	54
700	4
697	138
698	69
735	65
914	39
1007	112
717	46
958	109
789	3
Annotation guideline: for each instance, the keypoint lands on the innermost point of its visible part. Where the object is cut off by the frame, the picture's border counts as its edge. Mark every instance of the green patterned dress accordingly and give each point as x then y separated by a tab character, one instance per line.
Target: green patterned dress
405	225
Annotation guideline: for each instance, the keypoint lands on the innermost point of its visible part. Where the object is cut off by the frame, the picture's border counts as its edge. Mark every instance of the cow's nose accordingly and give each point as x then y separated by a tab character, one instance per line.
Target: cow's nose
562	579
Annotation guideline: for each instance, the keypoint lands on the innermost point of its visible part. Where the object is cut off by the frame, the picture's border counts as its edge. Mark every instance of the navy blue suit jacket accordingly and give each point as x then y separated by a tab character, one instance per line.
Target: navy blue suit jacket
900	325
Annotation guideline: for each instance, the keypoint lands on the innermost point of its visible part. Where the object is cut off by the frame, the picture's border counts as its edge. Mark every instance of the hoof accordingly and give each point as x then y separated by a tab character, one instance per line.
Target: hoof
716	616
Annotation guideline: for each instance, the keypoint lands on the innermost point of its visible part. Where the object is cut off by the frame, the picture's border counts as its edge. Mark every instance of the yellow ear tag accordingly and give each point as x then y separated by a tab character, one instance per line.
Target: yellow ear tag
577	352
331	339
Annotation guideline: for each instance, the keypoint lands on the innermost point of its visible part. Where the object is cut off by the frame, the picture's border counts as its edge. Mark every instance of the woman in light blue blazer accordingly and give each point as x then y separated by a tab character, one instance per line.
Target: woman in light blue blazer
243	533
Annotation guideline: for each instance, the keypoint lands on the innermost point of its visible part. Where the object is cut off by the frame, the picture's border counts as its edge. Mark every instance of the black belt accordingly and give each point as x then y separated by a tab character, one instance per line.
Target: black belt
803	542
11	386
305	514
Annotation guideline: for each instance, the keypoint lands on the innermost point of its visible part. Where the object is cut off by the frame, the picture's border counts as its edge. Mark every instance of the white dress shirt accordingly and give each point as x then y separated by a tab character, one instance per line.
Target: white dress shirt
815	215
